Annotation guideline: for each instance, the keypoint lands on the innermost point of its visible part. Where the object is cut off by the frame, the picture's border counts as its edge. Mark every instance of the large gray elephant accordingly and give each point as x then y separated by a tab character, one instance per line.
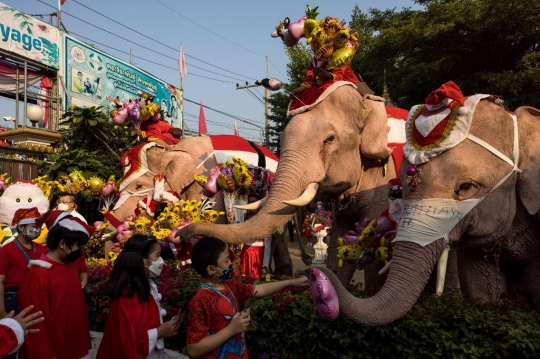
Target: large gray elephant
340	147
497	242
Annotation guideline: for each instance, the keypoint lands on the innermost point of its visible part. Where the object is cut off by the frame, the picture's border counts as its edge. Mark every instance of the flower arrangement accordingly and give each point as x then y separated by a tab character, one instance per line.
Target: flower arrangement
321	219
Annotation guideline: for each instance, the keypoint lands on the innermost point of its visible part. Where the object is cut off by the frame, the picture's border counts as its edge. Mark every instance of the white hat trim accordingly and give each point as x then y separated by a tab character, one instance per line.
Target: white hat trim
39	263
24	221
459	132
73	225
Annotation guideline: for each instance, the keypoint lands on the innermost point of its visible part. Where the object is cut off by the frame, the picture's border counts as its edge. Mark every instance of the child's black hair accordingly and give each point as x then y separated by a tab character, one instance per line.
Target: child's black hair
57	233
206	253
129	271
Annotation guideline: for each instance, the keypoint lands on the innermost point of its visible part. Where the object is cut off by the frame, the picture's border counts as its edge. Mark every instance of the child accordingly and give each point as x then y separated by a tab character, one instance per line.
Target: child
216	325
54	288
135	327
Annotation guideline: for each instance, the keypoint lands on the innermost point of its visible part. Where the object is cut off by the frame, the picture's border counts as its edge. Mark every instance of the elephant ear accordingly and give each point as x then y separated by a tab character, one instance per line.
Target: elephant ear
528	185
375	133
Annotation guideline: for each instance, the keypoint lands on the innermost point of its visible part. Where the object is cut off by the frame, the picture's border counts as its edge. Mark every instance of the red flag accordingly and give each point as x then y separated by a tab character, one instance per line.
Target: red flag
181	61
236	133
202	122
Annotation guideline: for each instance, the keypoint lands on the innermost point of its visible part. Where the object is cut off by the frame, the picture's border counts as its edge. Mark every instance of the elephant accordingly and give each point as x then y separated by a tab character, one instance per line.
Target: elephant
339	147
491	185
193	155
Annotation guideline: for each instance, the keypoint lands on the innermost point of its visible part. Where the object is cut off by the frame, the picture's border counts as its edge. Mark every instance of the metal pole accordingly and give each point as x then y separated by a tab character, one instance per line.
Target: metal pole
58	19
17	97
266	124
182	91
131	56
25	94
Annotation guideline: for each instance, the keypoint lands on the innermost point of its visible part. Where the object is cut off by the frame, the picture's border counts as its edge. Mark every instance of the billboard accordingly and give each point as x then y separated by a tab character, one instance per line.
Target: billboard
95	78
29	37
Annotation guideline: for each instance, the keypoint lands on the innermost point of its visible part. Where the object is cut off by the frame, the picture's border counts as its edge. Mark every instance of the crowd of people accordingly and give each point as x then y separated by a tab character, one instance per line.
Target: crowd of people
45	282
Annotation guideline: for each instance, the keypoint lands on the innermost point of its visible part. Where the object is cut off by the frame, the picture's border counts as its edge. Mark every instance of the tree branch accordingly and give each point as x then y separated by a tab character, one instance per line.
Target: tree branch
106	145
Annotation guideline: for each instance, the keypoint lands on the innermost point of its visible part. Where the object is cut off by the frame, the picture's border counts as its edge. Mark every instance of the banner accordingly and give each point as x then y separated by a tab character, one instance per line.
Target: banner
28	37
95	78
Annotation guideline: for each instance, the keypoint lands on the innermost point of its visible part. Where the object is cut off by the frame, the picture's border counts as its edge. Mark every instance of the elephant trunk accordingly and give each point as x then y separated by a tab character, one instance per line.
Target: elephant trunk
409	273
290	182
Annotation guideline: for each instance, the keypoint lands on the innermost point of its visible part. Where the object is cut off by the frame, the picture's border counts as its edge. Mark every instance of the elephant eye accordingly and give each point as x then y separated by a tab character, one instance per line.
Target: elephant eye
18	200
466	190
330	138
465	186
29	199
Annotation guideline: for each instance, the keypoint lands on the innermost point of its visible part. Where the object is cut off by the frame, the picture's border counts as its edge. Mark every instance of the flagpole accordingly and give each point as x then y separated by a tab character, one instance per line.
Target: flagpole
182	90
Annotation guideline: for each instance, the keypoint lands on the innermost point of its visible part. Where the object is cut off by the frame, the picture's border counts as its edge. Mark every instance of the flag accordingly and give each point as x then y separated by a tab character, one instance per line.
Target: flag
181	62
236	133
202	122
60	3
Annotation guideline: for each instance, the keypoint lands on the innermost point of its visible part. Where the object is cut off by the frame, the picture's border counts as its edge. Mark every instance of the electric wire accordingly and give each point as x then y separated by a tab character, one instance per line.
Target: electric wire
223	113
161	43
255	96
153	50
222	123
210	31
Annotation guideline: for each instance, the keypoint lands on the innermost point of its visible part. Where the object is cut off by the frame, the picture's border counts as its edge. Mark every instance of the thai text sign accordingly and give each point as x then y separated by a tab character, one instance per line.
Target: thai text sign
28	37
95	78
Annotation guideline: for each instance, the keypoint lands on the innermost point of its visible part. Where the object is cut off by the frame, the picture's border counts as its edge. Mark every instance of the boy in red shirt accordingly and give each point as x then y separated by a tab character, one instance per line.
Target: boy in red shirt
14	258
215	324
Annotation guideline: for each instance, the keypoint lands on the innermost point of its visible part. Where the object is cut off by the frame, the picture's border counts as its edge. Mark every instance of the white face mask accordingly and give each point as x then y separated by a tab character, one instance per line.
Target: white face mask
394	209
427	220
62	207
156	267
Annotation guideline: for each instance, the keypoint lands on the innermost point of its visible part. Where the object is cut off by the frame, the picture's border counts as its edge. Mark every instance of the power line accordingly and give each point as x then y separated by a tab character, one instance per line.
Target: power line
281	73
161	43
150	61
144	47
210	31
255	96
224	113
221	123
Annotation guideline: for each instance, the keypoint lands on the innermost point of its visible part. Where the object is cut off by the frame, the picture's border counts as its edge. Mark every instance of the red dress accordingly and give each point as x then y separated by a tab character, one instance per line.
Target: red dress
14	264
344	73
209	313
11	336
126	333
55	289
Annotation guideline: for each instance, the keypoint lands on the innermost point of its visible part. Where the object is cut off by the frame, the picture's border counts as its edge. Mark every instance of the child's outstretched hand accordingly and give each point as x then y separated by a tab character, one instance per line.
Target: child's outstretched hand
239	323
300	282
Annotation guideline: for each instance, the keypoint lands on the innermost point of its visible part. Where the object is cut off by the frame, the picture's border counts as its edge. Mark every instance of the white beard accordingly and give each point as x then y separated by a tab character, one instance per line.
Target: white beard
394	209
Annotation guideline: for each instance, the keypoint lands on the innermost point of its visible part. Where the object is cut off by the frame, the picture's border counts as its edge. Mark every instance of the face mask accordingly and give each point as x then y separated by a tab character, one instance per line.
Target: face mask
319	206
394	209
73	256
32	233
155	268
226	273
427	220
62	207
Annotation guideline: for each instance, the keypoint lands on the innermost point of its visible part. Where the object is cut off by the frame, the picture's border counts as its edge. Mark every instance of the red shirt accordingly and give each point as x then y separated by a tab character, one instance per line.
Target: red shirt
160	130
80	264
13	263
209	313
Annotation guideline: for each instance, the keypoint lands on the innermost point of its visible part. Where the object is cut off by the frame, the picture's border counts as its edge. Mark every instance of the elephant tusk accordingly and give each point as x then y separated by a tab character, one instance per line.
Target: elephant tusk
386	268
441	271
252	206
306	197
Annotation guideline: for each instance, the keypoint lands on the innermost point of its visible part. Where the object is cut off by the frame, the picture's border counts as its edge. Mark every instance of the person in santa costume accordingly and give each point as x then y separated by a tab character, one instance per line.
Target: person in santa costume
53	287
13	330
14	258
135	328
160	132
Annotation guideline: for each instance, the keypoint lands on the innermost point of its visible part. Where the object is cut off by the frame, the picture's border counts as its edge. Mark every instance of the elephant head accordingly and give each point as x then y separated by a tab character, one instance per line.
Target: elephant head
328	148
486	181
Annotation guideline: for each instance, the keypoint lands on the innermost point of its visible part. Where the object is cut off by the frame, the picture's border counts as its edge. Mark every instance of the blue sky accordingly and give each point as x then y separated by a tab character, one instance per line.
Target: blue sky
232	37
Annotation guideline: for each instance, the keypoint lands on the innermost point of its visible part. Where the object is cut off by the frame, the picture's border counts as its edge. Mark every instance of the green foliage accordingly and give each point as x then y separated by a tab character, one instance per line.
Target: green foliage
485	46
91	143
435	328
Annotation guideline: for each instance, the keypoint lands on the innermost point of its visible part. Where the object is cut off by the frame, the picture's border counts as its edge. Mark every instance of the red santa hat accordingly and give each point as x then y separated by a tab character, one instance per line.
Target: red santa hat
395	182
440	124
66	220
25	216
171	195
150	208
159	190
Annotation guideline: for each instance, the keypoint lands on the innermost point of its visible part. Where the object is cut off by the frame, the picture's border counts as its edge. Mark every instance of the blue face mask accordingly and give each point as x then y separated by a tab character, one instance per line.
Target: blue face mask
226	273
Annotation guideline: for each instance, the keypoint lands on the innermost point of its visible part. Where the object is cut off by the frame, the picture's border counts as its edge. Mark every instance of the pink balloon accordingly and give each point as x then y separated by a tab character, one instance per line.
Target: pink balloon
211	186
172	236
296	30
324	295
121	116
108	189
130	105
350	239
383	225
98	224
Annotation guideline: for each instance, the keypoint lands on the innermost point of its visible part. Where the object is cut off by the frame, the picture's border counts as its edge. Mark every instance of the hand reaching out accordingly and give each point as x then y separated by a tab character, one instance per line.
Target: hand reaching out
300	282
27	321
239	323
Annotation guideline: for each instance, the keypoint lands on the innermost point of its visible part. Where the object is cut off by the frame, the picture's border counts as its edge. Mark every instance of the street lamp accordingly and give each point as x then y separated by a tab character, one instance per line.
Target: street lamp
35	114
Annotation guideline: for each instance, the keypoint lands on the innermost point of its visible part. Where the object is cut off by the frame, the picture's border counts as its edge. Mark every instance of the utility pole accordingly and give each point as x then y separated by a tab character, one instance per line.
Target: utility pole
266	121
131	56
